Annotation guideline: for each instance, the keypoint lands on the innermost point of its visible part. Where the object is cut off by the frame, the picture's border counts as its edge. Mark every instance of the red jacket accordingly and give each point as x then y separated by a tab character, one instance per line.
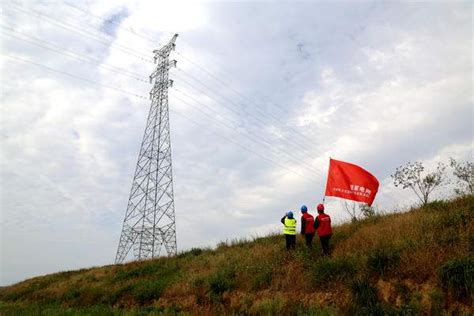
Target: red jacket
323	224
307	224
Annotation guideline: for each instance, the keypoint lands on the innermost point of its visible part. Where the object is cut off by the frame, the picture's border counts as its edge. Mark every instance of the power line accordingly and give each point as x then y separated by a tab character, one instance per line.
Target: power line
214	77
254	136
75	76
237	124
256	139
81	32
288	142
100	36
222	67
145	98
76	58
243	147
237	104
215	61
71	54
214	93
234	90
258	119
146	38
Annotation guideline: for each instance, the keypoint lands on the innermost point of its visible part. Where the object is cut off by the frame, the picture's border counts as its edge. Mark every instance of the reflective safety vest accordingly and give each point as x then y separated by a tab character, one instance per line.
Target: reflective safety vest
290	226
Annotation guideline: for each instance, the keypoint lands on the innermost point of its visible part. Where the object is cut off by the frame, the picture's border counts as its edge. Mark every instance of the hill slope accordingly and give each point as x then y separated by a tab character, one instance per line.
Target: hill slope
406	263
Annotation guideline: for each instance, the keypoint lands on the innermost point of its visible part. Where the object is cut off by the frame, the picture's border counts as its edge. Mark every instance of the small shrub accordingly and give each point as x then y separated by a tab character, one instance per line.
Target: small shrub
447	237
196	251
148	290
193	252
221	281
90	296
115	296
18	294
28	290
372	220
453	220
382	259
84	296
437	206
342	235
365	299
126	273
144	269
457	276
436	298
364	293
459	219
327	270
470	240
262	279
222	245
240	242
72	294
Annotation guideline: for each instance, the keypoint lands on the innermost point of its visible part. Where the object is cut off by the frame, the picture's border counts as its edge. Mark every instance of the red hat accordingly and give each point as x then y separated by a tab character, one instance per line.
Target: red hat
320	207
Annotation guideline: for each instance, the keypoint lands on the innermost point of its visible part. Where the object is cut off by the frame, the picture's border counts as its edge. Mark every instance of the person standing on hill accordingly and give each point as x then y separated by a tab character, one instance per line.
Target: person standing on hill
322	224
290	230
307	226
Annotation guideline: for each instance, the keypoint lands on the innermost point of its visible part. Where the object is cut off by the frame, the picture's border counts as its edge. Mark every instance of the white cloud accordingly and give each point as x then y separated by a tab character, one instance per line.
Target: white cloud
376	90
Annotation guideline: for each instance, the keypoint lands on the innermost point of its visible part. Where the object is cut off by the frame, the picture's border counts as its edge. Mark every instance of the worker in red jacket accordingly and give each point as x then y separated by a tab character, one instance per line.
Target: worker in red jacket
307	226
322	224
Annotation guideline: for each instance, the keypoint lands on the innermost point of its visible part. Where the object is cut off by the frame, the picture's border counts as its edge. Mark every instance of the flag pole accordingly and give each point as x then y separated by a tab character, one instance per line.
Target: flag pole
324	197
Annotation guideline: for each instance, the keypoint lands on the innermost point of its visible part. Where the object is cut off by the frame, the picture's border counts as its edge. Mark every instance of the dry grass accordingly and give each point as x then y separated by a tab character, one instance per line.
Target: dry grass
398	255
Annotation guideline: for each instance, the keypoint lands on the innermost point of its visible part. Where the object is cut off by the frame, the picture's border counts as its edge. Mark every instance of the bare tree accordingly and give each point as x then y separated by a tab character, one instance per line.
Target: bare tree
464	172
351	209
367	210
411	176
358	210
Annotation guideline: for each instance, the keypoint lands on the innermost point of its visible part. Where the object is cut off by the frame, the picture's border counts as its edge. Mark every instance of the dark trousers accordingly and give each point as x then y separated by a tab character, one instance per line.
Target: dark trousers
325	244
290	241
309	240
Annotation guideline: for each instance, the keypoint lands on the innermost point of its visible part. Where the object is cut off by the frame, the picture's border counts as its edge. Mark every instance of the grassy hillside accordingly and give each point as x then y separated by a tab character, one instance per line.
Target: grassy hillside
418	262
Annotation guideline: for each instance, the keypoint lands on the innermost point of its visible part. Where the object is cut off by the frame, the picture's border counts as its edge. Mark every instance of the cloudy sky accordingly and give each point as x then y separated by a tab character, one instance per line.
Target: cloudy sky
264	93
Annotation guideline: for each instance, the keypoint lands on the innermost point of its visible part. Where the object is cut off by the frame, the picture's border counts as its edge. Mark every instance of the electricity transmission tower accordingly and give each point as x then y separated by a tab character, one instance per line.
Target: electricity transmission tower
149	223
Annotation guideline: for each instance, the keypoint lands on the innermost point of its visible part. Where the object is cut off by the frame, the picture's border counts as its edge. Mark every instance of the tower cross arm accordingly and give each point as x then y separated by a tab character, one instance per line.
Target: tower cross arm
164	52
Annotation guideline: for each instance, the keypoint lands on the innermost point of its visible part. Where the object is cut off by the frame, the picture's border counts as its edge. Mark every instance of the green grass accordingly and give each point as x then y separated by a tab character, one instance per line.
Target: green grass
382	259
326	271
223	280
9	309
457	276
393	264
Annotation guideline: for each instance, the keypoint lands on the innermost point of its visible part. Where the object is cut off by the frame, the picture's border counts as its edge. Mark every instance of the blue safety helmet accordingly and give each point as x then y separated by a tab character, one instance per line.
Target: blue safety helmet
289	214
304	209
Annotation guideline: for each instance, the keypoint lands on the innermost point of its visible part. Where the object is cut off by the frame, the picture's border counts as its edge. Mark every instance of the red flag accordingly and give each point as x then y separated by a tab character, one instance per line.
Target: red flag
348	181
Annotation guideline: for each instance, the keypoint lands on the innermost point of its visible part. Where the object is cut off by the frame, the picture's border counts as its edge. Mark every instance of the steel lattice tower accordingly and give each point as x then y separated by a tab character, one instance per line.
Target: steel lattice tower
149	222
